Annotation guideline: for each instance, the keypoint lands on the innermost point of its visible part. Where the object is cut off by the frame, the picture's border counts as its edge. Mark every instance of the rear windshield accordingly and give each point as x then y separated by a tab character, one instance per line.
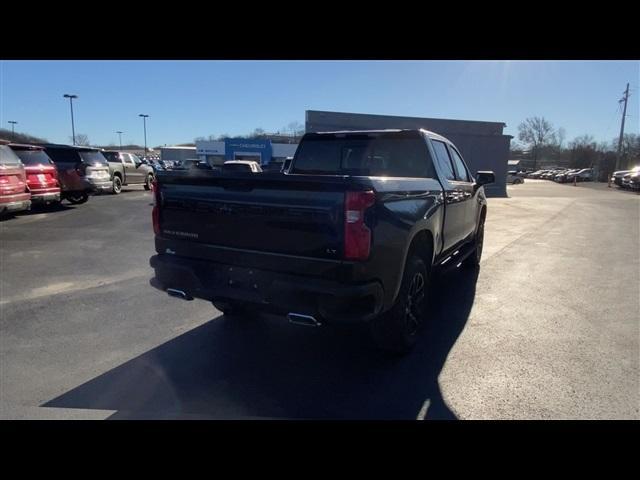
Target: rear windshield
385	155
93	157
34	157
7	157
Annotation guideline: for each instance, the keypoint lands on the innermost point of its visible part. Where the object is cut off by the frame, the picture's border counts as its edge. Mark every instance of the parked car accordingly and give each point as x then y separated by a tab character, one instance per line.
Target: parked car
81	171
618	176
537	174
583	175
551	174
632	180
514	178
14	191
241	166
41	173
128	169
352	234
155	164
562	176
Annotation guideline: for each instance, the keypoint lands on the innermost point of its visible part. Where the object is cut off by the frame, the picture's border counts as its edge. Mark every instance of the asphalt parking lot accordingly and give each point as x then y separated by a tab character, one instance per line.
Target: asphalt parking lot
548	329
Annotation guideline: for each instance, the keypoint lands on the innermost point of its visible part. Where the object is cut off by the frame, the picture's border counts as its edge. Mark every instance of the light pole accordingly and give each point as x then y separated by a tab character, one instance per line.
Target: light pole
73	129
120	135
144	121
13	135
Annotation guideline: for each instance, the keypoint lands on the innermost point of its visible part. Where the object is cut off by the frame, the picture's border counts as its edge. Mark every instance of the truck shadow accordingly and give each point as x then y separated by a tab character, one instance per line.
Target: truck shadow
266	368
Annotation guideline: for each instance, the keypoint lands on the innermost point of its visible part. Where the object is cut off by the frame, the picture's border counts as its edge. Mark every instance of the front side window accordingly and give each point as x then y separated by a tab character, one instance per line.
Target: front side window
442	157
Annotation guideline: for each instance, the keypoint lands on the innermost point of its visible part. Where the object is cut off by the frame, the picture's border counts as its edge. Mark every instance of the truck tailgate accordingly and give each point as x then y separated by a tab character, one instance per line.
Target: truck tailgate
288	214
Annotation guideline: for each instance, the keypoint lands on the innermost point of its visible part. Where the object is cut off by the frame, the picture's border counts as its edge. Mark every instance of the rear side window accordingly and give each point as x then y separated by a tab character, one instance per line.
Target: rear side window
461	169
61	155
8	157
382	155
111	156
33	157
442	157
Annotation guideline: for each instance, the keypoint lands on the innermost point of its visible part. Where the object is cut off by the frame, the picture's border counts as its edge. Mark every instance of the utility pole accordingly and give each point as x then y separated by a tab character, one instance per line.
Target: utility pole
144	121
624	114
73	129
13	133
120	135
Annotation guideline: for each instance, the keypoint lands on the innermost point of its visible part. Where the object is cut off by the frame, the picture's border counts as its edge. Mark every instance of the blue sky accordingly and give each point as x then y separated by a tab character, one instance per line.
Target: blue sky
187	99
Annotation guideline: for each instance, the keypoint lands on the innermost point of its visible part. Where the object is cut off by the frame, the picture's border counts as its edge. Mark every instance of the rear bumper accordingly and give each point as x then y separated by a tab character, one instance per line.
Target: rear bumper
15	203
45	196
330	301
100	186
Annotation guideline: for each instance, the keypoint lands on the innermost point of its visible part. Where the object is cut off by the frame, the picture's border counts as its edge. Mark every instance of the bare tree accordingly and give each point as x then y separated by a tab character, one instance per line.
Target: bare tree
81	139
559	138
584	152
296	129
536	132
585	140
257	133
630	149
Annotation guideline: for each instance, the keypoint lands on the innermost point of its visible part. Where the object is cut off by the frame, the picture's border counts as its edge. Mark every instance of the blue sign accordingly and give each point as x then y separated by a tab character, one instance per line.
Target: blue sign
246	149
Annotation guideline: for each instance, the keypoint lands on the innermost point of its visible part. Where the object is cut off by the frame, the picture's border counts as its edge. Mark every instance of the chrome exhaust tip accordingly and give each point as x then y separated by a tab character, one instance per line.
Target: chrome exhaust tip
300	319
174	292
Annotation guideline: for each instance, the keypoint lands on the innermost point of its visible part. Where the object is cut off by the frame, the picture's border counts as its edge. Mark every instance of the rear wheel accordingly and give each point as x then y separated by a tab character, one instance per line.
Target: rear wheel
148	182
77	198
396	330
116	184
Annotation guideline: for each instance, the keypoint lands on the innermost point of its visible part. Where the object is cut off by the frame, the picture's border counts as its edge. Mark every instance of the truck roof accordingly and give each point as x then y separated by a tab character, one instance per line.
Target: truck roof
26	146
378	131
69	147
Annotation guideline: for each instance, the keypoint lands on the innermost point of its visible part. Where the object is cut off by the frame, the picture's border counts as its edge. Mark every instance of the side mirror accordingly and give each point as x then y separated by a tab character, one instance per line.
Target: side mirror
483	177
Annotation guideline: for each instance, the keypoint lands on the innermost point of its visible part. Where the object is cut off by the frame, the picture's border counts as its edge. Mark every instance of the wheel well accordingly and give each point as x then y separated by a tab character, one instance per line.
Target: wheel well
422	245
117	174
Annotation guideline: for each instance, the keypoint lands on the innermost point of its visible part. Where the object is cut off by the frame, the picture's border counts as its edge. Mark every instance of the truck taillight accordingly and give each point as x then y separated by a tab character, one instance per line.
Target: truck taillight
357	236
155	213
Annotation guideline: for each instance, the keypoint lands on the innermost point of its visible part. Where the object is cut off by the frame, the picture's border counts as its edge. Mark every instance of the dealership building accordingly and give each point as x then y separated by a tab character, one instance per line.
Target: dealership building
263	151
482	144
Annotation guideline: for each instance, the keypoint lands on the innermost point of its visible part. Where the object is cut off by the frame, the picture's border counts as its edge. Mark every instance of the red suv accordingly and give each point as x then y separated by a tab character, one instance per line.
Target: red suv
42	175
14	192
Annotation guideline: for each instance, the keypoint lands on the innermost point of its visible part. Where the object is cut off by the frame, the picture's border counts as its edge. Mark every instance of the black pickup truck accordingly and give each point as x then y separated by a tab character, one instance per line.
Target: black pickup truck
349	234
